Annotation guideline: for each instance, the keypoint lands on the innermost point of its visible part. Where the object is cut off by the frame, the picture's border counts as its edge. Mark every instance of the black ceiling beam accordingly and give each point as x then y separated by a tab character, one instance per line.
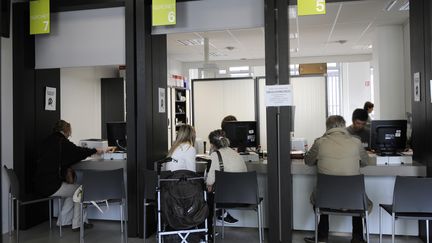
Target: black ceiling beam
73	5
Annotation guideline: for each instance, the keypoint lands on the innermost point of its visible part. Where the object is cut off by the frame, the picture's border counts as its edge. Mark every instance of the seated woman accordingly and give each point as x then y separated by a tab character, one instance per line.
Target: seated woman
232	162
183	151
54	176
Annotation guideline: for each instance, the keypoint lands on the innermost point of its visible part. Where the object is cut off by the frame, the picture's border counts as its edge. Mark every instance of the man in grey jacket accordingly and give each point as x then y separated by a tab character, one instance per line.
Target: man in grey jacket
337	153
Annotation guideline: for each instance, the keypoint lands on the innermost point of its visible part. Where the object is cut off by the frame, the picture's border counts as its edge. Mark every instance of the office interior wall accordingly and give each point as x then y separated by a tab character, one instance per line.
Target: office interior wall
215	99
6	122
388	64
175	67
357	87
310	108
407	66
81	99
83	38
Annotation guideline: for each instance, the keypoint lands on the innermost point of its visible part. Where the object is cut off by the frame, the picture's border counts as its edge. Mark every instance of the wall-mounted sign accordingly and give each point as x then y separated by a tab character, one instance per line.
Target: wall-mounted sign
39	17
311	7
163	12
279	95
50	99
162	101
416	88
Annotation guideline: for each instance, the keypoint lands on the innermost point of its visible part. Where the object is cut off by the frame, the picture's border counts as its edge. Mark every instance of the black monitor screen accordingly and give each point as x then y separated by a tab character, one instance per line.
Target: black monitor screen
242	134
388	136
116	134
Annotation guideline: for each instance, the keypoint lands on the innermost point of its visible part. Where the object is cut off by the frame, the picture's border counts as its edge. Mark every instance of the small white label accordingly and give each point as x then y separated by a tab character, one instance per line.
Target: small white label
430	87
50	99
162	103
279	95
416	87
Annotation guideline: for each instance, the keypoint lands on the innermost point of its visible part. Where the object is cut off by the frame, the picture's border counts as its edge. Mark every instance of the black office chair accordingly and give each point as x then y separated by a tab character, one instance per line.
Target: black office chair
14	195
411	200
237	191
341	195
103	185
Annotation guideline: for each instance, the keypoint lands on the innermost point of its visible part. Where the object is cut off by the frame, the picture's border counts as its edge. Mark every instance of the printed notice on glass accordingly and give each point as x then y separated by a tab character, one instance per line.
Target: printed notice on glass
162	102
279	95
50	99
416	87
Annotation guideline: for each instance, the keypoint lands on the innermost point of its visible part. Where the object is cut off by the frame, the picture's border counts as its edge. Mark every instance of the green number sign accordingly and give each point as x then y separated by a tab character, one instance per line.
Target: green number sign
39	17
163	12
311	7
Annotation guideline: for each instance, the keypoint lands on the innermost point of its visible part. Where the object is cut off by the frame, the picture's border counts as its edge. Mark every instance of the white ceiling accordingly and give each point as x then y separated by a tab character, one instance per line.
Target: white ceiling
319	35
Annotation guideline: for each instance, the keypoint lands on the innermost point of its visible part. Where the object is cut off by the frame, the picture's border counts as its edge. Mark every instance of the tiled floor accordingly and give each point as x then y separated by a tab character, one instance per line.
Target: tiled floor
109	232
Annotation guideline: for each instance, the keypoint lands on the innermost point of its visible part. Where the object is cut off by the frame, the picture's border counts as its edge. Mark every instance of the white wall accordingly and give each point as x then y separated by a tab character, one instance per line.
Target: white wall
407	65
175	67
356	93
6	122
389	75
83	38
81	99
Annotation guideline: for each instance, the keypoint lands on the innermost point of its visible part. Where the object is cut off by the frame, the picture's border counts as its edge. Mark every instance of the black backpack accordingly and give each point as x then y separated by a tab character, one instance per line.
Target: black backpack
182	202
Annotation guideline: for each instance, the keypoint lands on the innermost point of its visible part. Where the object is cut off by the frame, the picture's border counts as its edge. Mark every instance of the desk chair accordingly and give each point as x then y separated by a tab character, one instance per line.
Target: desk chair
103	185
14	195
411	200
341	195
237	191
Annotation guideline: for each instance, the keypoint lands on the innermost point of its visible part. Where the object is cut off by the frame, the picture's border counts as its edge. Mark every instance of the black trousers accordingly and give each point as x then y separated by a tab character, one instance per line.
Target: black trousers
323	227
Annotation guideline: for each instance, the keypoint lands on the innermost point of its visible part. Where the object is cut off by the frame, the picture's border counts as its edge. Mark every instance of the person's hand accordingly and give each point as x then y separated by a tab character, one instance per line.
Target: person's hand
209	188
100	151
110	149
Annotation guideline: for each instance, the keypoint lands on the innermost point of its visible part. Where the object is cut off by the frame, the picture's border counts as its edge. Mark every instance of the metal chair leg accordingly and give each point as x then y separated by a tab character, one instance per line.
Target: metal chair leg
121	217
380	225
367	226
144	219
427	231
214	223
393	227
60	206
125	222
17	220
50	213
259	223
82	223
316	225
223	223
10	214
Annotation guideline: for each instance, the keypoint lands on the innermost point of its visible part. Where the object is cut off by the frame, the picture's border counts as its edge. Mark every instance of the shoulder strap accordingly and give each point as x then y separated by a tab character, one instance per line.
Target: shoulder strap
221	165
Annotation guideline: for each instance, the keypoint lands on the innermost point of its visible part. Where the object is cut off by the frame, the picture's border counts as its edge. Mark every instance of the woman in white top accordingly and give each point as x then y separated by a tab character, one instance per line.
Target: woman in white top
183	151
231	160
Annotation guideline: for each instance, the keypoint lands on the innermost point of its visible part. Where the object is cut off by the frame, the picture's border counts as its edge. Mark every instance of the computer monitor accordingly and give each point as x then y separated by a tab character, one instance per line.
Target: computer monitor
116	134
388	136
242	134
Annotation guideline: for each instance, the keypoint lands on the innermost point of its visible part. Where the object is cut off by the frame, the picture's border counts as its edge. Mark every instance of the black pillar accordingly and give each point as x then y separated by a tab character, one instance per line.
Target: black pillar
146	72
278	123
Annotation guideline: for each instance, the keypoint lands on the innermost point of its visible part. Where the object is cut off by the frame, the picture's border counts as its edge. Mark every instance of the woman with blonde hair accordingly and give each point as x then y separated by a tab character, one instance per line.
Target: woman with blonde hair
183	151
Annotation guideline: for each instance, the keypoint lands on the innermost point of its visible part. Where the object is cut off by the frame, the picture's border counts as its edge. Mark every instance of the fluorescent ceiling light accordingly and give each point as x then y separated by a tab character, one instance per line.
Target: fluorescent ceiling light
390	5
191	42
222	71
216	54
292	12
239	69
404	7
239	75
331	64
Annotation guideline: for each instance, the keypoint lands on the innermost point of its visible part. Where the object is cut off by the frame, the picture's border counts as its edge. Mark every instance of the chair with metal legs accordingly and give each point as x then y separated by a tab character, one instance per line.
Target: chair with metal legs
237	190
150	183
411	200
341	195
14	197
107	186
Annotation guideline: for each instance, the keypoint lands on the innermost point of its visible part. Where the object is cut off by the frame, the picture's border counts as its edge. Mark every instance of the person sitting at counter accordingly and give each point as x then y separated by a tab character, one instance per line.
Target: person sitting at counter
183	151
337	153
54	176
230	161
358	127
368	106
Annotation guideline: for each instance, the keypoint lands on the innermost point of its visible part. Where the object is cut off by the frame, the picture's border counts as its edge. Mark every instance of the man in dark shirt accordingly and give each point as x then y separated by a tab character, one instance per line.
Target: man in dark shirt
358	126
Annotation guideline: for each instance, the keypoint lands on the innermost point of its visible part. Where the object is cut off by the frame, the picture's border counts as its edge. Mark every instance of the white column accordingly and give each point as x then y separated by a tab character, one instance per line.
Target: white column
388	64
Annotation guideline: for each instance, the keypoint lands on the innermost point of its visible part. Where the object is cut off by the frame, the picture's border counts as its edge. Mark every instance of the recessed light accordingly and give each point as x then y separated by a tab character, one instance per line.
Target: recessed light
191	42
230	48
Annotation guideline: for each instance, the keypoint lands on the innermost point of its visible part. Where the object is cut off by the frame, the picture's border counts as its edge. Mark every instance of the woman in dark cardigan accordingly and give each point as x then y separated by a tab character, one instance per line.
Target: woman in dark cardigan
54	176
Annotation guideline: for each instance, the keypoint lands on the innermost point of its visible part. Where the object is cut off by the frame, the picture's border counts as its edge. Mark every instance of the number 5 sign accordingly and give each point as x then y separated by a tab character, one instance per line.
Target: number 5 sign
311	7
39	17
163	12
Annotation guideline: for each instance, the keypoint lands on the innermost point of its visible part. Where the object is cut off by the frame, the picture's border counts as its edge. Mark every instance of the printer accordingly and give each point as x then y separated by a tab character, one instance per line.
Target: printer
94	143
